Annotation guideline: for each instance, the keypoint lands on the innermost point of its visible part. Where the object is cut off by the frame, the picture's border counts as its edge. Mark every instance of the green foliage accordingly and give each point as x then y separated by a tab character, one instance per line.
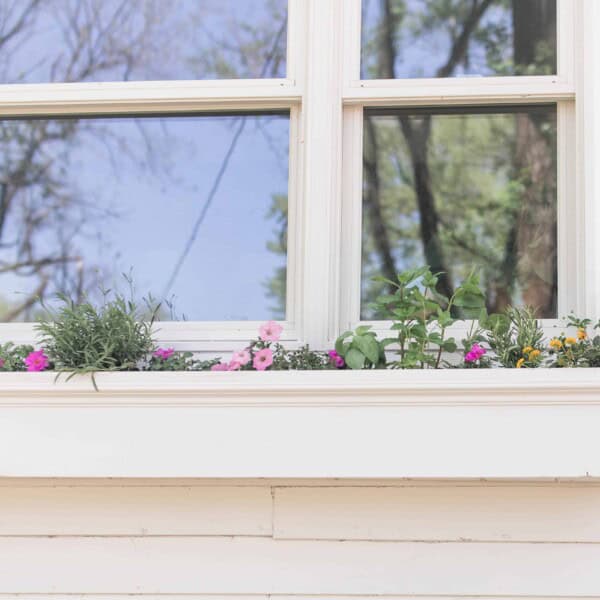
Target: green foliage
421	315
12	356
580	350
87	338
361	349
179	361
303	359
515	336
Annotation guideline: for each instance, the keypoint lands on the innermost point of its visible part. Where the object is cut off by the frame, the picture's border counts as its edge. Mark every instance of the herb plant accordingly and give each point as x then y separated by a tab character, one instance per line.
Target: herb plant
12	358
360	349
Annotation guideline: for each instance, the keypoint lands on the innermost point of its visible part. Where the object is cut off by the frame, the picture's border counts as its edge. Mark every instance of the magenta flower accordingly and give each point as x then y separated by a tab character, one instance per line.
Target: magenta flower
336	359
164	353
475	353
263	359
1	363
36	361
270	332
242	357
220	367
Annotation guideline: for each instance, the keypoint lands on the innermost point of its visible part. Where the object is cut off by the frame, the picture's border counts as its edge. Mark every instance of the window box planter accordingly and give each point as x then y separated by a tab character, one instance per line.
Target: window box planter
541	423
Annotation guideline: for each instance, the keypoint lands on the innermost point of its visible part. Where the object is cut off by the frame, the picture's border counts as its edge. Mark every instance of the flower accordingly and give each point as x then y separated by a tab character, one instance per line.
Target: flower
555	344
534	354
36	361
475	353
220	367
527	350
263	359
520	363
1	363
242	357
163	353
570	341
233	366
270	332
581	334
336	359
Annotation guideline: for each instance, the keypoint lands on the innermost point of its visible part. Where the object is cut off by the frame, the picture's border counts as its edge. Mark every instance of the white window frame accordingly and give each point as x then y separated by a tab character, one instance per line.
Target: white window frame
326	98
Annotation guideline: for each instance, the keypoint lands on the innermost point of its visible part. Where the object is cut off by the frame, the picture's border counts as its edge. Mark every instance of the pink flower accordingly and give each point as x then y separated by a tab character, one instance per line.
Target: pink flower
233	366
336	359
270	332
1	363
164	353
220	367
36	361
242	357
263	359
475	353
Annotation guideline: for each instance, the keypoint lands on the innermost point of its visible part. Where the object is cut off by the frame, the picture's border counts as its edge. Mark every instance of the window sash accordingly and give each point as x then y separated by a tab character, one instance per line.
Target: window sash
326	98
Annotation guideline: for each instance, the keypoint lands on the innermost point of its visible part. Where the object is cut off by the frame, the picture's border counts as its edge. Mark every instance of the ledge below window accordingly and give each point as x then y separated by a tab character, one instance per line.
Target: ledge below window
542	423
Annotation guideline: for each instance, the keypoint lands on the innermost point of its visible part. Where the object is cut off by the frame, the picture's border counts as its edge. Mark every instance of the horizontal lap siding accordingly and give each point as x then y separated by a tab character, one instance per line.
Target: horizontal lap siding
230	542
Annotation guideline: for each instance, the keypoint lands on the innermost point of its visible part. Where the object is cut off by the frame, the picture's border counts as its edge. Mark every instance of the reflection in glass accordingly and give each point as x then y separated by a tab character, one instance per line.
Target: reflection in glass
453	38
194	206
116	40
463	188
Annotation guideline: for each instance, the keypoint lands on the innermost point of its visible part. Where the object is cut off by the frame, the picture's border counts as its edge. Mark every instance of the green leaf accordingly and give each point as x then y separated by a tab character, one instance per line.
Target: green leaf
449	345
368	346
355	359
340	347
362	329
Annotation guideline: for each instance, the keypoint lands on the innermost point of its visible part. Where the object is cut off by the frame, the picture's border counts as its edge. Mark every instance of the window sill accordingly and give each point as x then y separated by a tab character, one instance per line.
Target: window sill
331	424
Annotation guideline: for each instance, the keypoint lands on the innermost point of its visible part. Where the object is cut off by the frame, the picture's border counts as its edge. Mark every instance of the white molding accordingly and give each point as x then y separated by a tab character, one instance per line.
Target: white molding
146	96
529	424
459	90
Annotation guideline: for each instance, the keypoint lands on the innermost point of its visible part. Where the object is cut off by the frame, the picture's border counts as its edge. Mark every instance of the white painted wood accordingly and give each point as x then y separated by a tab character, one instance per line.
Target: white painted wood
501	514
321	204
267	566
457	424
135	511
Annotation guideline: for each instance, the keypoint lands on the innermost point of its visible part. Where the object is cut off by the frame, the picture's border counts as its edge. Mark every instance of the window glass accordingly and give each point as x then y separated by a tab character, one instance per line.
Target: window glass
195	207
116	40
459	189
453	38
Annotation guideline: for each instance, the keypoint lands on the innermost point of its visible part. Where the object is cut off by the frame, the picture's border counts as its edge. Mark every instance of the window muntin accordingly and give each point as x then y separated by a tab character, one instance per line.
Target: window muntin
194	206
130	40
454	38
463	188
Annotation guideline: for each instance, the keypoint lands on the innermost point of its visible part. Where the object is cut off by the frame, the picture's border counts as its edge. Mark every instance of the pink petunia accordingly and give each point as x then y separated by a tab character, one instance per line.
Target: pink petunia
242	357
220	367
36	361
234	366
270	332
475	353
164	353
263	359
336	359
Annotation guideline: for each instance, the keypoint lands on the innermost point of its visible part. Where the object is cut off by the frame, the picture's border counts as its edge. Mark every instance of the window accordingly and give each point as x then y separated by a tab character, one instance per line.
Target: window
448	130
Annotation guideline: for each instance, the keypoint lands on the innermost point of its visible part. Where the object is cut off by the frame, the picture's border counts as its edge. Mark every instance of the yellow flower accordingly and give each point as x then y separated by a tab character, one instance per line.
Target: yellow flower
555	343
520	363
570	341
534	354
527	349
581	334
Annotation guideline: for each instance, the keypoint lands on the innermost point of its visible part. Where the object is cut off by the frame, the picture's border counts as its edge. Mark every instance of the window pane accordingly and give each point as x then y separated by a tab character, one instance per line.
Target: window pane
116	40
194	206
463	188
454	38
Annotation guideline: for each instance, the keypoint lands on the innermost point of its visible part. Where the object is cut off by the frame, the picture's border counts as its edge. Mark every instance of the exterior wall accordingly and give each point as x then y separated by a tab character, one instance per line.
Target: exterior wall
257	538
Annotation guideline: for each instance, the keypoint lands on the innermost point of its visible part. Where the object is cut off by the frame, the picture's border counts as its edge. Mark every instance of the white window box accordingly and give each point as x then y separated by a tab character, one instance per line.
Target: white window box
332	424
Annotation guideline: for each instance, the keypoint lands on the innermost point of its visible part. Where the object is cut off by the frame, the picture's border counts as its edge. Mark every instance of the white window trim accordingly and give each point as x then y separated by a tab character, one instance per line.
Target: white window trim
325	97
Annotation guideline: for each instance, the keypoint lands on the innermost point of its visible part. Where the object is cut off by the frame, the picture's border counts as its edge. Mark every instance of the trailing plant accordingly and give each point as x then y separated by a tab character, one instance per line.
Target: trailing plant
12	358
167	359
421	316
360	349
515	337
84	338
580	350
303	359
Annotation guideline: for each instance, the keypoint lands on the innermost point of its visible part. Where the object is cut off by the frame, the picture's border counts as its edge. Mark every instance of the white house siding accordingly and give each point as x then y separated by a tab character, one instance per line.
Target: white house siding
299	539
